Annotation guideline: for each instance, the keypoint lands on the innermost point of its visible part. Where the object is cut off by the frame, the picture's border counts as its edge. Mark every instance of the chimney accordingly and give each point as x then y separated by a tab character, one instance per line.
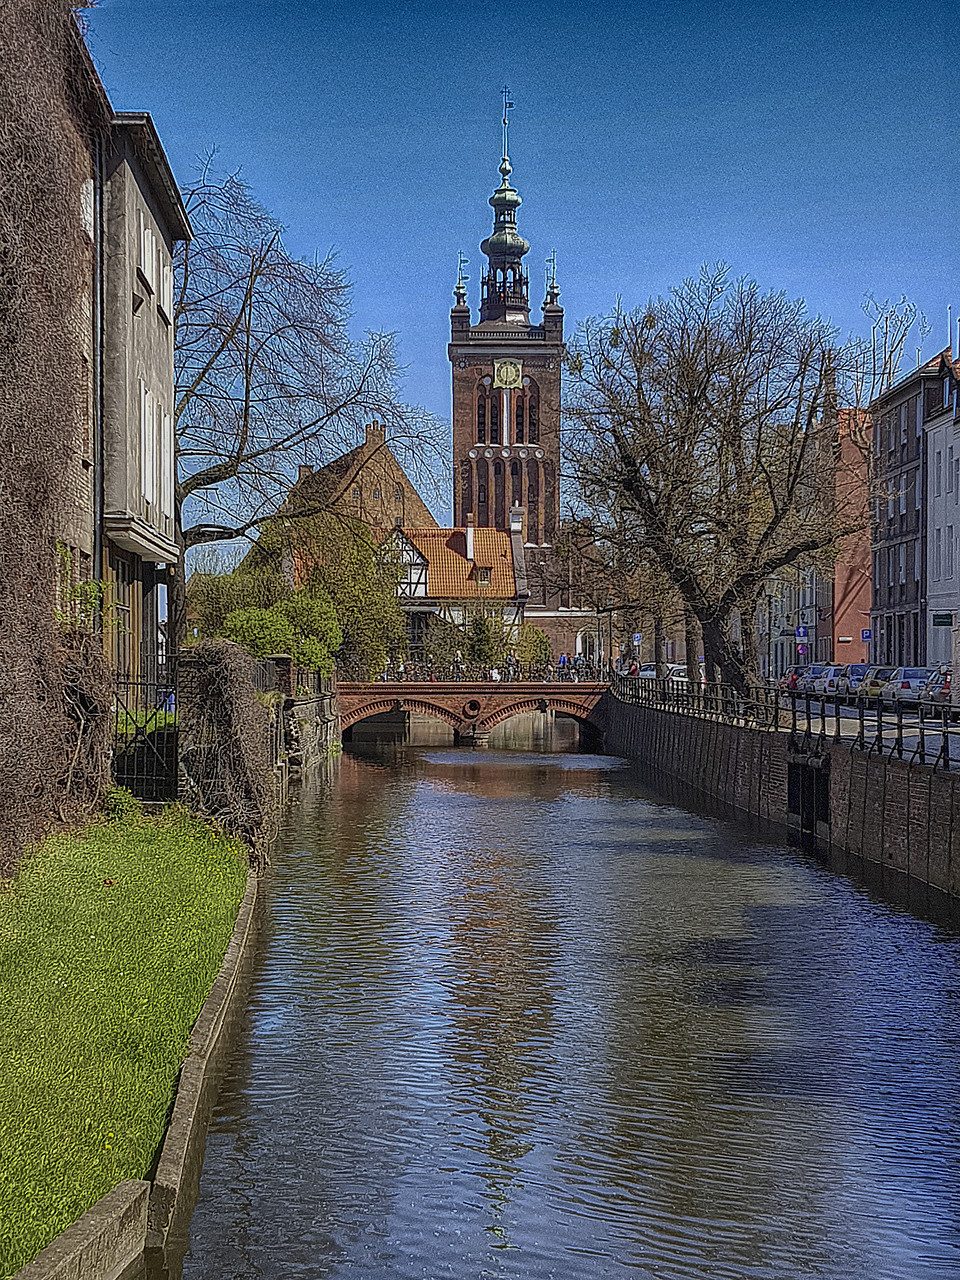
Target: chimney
303	471
470	536
376	433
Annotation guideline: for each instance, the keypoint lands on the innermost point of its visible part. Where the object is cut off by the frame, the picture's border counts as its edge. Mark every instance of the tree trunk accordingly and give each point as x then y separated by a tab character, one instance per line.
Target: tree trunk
748	644
723	652
660	647
177	600
693	641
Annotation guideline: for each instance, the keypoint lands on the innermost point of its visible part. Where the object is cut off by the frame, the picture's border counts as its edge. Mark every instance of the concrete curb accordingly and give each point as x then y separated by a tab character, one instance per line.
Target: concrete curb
177	1177
132	1225
105	1244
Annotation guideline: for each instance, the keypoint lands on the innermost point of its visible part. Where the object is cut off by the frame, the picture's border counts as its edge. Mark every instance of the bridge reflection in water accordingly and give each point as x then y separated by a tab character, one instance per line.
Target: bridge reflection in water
516	1017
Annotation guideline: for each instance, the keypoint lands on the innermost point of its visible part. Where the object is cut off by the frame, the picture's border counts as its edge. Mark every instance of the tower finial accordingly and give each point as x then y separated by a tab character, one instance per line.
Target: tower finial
553	293
507	107
460	292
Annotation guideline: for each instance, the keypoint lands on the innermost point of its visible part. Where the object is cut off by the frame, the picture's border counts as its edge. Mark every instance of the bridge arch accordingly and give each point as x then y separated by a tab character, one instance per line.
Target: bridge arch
521	706
379	707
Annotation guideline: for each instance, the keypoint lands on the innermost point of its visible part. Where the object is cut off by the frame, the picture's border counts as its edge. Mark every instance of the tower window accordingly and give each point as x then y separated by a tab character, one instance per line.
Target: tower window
497	468
482	495
356	494
533	421
494	422
376	494
481	421
519	421
397	493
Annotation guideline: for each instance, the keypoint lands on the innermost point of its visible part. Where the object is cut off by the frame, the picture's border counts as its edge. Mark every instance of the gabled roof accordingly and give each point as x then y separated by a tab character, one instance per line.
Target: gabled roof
935	367
450	575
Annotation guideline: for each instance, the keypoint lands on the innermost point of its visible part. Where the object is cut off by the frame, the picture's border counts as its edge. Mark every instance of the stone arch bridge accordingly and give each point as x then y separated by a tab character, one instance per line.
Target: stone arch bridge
471	708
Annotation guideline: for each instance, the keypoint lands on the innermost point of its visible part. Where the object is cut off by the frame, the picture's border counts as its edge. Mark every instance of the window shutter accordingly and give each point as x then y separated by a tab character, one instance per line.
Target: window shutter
166	467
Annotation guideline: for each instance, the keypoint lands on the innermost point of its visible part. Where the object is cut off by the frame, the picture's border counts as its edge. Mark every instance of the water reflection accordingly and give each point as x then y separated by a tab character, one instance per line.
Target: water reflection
517	1017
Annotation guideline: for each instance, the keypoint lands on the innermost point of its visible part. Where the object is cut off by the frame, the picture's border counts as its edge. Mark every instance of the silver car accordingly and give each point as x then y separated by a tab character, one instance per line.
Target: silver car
905	684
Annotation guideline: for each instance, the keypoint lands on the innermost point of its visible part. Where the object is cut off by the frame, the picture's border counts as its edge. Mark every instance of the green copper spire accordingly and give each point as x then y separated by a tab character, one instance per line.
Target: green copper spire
505	286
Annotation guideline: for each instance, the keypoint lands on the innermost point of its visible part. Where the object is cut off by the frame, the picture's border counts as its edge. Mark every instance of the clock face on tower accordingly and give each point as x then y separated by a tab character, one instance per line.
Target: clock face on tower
507	373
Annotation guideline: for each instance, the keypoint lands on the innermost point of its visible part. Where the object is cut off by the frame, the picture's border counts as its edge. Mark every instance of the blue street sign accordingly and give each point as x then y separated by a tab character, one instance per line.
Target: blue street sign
801	633
637	637
866	634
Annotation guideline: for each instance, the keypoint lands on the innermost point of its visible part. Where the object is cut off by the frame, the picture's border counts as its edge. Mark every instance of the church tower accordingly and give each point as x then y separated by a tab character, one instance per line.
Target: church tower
506	385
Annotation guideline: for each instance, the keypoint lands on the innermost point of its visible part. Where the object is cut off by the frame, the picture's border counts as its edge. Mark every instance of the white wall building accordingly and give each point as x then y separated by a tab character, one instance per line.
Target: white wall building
942	433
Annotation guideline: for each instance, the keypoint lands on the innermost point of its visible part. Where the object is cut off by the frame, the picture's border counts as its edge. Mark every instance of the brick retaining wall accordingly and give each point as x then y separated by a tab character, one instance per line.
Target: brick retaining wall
899	816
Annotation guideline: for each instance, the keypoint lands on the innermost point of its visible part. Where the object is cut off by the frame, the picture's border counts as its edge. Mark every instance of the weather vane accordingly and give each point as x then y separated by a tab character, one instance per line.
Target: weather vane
507	106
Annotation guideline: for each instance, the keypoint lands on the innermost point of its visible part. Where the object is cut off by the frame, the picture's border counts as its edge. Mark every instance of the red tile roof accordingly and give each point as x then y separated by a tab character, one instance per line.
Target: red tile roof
450	575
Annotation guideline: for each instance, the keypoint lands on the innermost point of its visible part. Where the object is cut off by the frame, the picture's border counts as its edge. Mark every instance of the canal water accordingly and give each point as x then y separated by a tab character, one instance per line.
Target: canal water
516	1016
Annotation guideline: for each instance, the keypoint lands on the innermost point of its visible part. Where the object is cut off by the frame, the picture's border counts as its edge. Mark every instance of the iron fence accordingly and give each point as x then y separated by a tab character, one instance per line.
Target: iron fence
264	675
914	732
145	737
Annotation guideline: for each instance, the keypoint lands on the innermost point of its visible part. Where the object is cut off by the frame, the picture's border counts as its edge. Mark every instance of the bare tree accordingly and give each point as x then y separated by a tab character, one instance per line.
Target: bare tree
704	430
267	373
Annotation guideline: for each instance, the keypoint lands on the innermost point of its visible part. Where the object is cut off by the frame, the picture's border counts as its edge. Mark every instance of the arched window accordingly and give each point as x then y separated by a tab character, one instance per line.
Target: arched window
494	421
481	419
533	421
518	426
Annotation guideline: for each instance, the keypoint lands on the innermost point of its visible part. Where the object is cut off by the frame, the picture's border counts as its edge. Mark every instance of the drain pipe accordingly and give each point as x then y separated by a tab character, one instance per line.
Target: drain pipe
98	335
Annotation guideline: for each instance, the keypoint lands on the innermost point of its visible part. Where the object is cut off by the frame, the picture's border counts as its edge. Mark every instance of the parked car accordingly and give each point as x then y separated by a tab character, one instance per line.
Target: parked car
679	676
905	684
873	681
788	681
936	692
828	682
853	674
805	681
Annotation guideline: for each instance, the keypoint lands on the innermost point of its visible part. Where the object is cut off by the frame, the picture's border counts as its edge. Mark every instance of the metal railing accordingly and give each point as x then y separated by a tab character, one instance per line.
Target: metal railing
264	675
145	740
914	732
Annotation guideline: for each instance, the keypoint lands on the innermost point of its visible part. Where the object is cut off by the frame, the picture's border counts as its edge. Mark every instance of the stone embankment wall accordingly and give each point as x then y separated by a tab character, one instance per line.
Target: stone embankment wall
889	813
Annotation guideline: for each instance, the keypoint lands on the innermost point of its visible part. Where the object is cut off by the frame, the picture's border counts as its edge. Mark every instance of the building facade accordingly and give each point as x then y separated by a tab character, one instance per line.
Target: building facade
900	524
144	217
942	447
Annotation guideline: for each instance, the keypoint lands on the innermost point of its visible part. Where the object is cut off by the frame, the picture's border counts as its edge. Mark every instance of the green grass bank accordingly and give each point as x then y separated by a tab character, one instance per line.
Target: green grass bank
110	940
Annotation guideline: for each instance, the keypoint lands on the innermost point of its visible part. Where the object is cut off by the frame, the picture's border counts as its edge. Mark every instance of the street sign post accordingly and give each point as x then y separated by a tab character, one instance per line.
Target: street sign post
866	633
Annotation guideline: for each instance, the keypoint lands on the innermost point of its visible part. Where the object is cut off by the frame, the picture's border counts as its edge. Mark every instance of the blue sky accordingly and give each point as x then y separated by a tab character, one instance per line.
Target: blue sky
809	144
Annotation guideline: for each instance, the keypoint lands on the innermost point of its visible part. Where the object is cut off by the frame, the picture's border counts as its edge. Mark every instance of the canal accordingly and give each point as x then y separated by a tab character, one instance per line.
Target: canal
516	1016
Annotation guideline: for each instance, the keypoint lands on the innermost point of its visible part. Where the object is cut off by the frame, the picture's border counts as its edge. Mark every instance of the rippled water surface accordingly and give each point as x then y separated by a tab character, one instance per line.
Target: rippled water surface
515	1017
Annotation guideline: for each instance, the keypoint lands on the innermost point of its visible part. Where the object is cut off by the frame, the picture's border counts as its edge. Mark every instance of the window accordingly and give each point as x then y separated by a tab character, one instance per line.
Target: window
891	503
948	547
917	560
937	554
147	254
165	294
938	474
483	577
519	421
495	422
167	454
356	494
917	488
876	570
903	494
397	493
481	421
148	444
901	562
376	494
950	470
902	414
889	566
946	392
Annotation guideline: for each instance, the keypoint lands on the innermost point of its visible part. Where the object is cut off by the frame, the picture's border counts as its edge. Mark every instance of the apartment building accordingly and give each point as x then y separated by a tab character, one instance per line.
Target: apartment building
942	446
900	514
